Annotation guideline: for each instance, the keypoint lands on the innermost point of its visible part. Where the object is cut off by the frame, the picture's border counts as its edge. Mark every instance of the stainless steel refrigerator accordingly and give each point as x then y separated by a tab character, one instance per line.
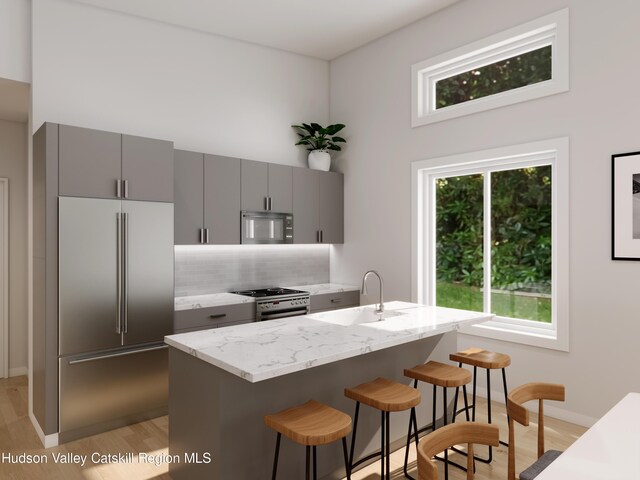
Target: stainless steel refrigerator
116	306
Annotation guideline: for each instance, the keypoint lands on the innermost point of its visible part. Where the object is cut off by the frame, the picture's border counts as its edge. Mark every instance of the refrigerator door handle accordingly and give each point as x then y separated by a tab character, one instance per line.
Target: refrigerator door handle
119	272
118	354
125	268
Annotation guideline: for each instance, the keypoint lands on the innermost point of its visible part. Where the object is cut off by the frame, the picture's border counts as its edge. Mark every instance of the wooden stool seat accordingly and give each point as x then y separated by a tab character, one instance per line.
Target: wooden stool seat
478	357
384	395
312	423
439	374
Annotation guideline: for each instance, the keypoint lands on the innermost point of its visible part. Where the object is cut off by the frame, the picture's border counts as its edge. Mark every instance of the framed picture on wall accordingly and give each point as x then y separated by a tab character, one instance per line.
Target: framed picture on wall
625	205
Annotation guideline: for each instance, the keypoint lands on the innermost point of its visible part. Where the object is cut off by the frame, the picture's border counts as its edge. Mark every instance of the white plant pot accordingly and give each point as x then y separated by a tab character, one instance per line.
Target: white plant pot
320	160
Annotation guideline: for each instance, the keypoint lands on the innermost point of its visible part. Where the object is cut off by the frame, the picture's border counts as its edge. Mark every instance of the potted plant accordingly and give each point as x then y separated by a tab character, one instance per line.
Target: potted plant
319	140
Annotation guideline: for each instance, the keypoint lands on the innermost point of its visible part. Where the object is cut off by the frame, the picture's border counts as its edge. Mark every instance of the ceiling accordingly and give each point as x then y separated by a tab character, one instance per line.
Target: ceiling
14	101
323	29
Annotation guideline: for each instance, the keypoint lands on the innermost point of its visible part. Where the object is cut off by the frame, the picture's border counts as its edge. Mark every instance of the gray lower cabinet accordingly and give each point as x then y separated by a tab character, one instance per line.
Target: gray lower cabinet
318	206
213	317
98	164
334	301
266	187
207	199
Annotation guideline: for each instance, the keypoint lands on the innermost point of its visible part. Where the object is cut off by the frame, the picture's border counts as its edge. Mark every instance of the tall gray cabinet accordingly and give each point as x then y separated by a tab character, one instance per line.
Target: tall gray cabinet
318	206
76	162
207	199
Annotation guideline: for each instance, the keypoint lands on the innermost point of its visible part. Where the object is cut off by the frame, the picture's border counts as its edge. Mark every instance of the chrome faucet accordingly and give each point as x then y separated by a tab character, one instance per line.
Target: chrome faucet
380	307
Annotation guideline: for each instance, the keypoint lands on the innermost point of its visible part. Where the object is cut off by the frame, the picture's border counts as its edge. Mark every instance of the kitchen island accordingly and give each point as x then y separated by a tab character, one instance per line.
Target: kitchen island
223	381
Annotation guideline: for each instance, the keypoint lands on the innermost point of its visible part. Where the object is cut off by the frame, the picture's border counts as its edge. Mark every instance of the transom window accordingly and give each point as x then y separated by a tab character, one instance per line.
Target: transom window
526	62
491	235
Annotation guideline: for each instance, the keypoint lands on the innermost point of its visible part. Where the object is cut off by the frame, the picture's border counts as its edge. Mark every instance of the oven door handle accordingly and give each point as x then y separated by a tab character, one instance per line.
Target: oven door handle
291	312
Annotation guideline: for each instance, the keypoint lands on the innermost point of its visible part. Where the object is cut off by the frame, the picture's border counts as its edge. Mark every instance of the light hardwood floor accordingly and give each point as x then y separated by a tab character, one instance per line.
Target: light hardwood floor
17	436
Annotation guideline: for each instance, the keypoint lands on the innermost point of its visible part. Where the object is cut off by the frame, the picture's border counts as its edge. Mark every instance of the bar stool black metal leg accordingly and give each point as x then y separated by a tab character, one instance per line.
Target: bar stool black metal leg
433	424
413	428
388	452
306	471
347	467
444	415
275	460
382	437
315	464
489	409
466	401
353	435
475	376
455	405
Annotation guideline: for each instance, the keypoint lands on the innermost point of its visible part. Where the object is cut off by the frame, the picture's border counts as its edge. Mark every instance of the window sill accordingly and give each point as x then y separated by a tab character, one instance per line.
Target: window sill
535	337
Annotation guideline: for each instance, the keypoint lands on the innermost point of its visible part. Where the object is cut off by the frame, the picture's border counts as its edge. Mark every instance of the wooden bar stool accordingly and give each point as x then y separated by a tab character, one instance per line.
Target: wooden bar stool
439	375
386	396
310	424
479	358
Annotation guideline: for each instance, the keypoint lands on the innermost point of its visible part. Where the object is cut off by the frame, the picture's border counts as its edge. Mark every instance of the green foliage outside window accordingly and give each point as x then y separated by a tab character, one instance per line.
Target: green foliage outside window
521	230
515	72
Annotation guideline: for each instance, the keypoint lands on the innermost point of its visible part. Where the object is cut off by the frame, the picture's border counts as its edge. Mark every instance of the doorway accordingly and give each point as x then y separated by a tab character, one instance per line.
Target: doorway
4	277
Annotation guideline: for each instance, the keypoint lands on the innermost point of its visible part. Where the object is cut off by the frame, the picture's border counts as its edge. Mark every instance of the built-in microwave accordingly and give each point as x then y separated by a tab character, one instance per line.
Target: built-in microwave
266	227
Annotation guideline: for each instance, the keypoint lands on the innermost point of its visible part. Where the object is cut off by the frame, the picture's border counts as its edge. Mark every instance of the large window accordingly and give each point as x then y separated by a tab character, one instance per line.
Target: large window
523	63
491	236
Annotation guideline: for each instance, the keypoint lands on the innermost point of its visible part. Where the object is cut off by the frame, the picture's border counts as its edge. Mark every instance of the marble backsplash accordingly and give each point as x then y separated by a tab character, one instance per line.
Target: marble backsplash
200	270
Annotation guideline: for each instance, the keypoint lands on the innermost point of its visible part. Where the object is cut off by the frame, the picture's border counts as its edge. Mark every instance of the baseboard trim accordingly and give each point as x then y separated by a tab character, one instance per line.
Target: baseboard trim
48	441
549	410
18	371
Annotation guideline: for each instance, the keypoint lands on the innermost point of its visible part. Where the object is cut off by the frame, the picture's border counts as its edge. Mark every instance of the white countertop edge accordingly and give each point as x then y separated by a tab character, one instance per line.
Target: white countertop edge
284	370
208	300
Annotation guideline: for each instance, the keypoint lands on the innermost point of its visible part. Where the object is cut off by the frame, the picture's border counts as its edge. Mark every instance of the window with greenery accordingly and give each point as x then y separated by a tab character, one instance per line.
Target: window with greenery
519	257
490	233
517	65
514	72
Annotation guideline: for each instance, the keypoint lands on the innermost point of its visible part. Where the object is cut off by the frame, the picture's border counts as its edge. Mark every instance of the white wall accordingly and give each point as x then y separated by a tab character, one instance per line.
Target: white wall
13	165
106	70
370	92
15	40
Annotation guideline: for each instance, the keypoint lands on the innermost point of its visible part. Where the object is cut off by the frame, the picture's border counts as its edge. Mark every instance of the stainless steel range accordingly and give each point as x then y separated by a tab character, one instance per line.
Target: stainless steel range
272	303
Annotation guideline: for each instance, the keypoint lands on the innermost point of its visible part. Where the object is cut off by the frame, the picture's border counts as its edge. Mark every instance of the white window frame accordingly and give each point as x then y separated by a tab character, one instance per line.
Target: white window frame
554	152
552	29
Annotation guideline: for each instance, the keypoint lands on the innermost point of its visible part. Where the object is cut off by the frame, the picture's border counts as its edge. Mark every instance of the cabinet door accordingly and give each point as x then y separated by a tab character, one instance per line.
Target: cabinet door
254	185
332	207
188	184
222	199
147	167
281	188
89	162
305	205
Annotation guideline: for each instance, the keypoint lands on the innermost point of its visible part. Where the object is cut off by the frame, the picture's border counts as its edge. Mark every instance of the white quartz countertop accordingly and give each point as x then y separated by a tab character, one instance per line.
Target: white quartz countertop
220	299
262	350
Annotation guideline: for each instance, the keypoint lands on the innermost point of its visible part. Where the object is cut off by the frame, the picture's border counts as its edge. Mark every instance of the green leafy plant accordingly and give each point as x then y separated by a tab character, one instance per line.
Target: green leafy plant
316	137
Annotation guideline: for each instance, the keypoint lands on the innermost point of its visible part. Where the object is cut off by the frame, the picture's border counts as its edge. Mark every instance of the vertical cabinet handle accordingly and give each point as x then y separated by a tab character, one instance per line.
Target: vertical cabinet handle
321	236
118	189
317	236
201	233
125	269
266	203
269	203
126	188
206	235
119	272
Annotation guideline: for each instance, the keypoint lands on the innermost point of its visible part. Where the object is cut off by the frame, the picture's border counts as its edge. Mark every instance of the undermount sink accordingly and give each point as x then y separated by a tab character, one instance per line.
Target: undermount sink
356	316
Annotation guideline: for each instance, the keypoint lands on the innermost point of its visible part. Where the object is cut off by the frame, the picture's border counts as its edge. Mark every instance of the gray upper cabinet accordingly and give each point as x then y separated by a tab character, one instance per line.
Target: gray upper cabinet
305	205
331	207
280	188
188	184
266	187
89	162
222	199
318	206
98	164
207	199
147	168
255	185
